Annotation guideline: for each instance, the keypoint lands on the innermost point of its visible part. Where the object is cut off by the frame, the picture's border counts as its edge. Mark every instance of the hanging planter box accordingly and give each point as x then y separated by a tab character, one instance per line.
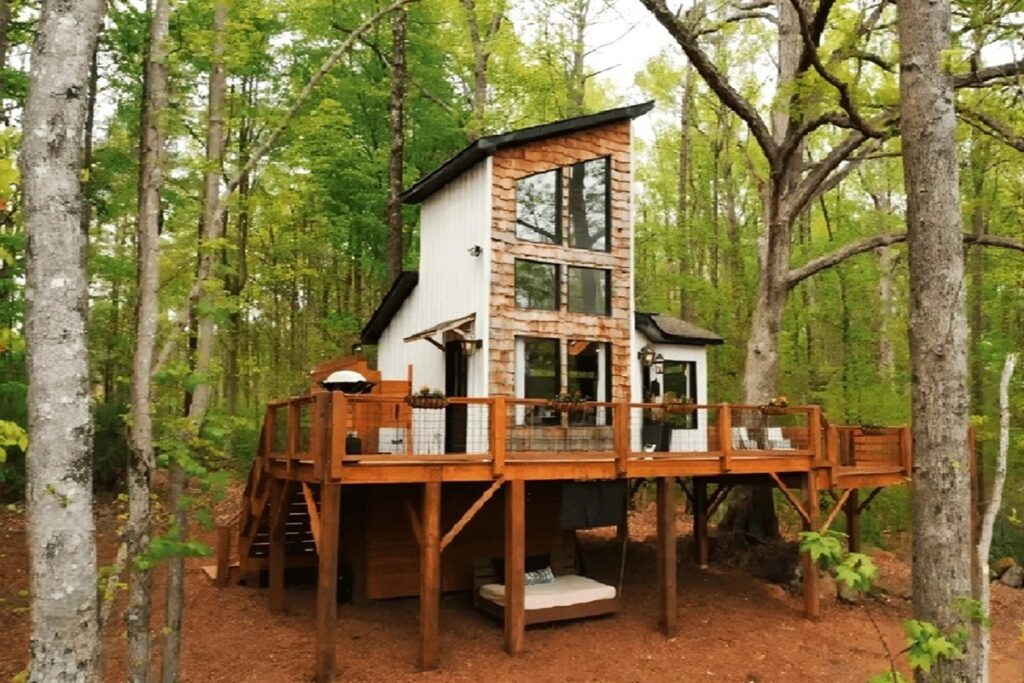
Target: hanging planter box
679	408
565	406
427	402
773	410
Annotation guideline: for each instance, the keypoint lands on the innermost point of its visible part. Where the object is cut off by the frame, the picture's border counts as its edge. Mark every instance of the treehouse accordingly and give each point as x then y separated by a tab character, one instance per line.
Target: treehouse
546	393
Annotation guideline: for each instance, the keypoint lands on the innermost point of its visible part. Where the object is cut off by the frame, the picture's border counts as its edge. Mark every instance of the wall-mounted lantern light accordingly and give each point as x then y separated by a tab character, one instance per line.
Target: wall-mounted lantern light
476	250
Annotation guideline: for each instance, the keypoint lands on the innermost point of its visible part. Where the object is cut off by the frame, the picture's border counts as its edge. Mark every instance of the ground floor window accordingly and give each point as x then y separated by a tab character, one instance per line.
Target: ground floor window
679	383
548	368
589	374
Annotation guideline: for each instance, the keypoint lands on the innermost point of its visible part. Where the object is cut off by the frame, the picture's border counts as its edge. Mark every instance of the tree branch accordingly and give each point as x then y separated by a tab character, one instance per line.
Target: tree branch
981	77
714	78
993	126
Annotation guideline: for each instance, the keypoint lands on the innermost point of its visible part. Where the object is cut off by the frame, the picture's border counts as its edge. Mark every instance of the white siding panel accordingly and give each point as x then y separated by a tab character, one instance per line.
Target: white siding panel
452	283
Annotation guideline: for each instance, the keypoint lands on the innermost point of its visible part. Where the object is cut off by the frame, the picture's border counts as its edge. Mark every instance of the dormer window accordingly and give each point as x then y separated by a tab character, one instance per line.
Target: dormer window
539	208
588	205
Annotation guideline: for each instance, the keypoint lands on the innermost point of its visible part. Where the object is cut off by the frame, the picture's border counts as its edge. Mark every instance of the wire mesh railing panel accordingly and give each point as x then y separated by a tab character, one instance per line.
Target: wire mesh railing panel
760	429
673	428
443	427
279	433
555	427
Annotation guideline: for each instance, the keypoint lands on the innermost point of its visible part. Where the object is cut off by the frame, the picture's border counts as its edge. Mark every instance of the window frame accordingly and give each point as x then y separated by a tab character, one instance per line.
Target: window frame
692	418
559	227
607	310
556	281
607	159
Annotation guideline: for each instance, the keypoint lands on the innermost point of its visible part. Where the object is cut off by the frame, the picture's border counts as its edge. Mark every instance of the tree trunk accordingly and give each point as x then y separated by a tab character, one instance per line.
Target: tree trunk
199	404
396	163
58	495
938	326
140	439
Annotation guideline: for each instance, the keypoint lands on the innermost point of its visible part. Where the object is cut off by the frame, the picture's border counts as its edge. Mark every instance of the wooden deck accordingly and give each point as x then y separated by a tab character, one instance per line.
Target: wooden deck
314	447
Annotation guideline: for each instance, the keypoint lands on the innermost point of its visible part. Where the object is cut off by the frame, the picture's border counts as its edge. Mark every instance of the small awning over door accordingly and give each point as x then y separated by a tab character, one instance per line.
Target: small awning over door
460	326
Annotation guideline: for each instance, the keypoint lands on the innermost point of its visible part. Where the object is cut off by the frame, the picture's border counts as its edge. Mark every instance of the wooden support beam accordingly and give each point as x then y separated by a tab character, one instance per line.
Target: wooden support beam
515	566
700	521
468	516
871	496
725	435
790	497
718	497
314	514
327	582
686	490
812	598
667	607
499	429
414	522
853	521
620	435
835	510
223	554
430	577
279	498
339	430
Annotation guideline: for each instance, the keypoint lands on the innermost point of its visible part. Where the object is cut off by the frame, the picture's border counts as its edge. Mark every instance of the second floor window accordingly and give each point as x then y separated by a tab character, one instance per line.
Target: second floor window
537	285
588	291
588	205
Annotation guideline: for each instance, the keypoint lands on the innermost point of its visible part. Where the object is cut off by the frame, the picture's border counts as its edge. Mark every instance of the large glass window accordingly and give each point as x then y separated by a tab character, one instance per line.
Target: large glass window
588	366
588	291
536	285
538	208
588	204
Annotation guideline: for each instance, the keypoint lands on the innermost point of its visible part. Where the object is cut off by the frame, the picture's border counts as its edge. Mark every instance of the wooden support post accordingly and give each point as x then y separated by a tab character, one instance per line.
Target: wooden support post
327	581
515	566
620	432
430	577
853	521
499	425
223	554
666	557
812	603
700	521
339	430
817	436
725	435
278	516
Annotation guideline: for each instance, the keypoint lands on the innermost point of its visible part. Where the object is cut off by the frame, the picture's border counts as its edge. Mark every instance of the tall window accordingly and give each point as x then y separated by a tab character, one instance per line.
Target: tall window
537	285
541	368
588	291
538	208
588	204
589	365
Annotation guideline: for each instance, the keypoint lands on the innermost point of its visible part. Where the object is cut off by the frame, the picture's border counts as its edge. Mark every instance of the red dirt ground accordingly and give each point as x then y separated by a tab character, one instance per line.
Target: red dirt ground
732	627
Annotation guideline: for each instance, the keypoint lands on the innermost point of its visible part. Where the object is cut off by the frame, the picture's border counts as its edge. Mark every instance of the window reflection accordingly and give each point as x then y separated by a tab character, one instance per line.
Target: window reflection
588	291
538	208
536	285
588	205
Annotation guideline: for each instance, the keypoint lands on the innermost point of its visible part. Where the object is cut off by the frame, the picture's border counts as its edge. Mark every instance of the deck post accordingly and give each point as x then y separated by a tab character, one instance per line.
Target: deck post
515	565
725	435
278	517
853	521
327	581
666	556
700	521
812	602
430	576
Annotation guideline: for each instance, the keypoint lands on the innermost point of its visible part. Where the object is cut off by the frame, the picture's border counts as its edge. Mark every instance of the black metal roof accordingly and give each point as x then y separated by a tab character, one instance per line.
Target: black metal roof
664	329
479	150
389	306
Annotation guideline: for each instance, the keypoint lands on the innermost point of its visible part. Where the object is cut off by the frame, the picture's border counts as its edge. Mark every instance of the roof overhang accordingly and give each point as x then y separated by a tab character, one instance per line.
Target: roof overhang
664	329
479	150
459	326
389	306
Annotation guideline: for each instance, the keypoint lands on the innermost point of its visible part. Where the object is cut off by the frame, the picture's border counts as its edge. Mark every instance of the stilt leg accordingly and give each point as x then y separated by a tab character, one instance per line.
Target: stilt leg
430	576
327	581
812	603
278	516
853	521
515	566
666	556
700	521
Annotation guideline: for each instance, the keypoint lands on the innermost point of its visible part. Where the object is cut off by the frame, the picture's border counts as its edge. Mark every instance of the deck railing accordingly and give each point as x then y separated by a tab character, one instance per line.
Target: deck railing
331	431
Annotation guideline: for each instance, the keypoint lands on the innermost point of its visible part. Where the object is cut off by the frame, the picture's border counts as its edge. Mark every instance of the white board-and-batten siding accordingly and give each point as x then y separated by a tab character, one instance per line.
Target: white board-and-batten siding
452	283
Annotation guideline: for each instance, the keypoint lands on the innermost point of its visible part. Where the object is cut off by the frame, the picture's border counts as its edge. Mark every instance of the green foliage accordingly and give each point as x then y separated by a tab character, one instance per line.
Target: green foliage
888	677
926	645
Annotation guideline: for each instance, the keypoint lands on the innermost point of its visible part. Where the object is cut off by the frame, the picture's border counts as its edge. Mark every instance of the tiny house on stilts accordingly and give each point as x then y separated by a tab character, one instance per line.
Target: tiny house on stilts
546	393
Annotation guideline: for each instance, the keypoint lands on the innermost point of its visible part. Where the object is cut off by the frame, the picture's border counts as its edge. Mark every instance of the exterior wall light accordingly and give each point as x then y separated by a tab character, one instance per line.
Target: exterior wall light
476	250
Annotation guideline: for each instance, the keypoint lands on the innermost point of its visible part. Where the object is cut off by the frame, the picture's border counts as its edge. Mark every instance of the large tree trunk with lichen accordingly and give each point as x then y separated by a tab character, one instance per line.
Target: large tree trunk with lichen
396	158
938	326
58	495
140	438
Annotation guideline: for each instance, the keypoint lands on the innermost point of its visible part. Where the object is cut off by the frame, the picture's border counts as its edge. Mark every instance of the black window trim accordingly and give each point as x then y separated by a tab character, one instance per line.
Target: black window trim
559	228
607	204
558	284
607	289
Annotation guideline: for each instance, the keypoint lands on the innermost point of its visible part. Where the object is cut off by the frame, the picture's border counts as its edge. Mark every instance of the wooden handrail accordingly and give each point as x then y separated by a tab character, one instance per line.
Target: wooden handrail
725	435
621	436
499	439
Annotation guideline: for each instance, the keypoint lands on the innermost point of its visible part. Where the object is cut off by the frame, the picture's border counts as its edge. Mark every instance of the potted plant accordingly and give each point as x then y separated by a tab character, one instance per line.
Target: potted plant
776	406
872	429
675	405
432	399
567	402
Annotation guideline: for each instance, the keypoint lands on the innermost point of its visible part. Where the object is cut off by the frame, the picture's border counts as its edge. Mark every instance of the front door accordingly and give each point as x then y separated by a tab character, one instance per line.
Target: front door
456	369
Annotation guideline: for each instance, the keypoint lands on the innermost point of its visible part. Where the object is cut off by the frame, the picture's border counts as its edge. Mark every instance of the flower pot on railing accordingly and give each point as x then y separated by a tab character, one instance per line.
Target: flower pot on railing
679	407
427	402
564	406
769	409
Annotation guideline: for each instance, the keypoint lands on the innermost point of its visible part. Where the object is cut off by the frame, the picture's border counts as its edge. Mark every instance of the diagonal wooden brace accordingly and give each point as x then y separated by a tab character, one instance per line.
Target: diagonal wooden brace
468	516
790	497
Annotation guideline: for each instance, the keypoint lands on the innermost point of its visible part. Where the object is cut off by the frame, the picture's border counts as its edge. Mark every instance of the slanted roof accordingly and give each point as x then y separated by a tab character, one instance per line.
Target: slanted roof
453	325
389	306
479	150
664	329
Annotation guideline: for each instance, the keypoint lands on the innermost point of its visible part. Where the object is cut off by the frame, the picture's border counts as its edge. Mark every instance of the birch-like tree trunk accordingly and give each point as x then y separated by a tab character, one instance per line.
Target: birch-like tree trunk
396	158
141	458
212	229
58	495
938	325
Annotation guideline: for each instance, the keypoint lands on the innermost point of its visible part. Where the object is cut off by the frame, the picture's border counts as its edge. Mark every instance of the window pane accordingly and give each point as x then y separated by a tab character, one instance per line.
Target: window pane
588	375
537	208
541	371
680	384
588	291
536	285
588	205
